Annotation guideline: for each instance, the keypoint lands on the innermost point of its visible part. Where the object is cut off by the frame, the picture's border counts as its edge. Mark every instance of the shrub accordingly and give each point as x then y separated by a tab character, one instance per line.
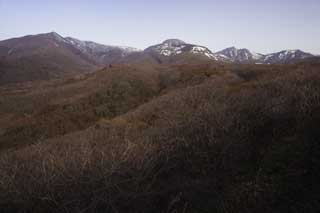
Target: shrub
204	148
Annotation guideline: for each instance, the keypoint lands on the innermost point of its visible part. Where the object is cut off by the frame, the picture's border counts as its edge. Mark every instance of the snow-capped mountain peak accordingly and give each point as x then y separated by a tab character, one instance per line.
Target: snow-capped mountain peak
173	47
239	55
173	42
92	54
88	46
203	51
95	47
55	36
286	56
101	53
168	48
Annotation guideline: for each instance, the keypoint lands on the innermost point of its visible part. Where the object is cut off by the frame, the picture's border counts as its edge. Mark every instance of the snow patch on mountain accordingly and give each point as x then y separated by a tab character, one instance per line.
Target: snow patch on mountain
173	47
204	51
168	48
57	37
105	54
286	56
101	50
239	55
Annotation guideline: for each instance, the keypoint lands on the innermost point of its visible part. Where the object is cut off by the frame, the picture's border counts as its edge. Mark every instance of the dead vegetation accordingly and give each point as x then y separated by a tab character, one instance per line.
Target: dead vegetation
238	139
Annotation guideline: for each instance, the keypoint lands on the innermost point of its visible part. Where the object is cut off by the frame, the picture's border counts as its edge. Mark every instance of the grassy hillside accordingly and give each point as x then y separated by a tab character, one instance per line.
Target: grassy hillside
177	138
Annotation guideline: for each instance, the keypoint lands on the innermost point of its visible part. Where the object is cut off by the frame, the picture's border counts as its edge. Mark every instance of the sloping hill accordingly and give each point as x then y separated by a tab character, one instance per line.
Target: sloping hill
213	138
43	56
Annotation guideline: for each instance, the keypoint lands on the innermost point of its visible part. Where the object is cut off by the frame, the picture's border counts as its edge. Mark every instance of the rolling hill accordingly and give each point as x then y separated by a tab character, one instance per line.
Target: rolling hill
204	137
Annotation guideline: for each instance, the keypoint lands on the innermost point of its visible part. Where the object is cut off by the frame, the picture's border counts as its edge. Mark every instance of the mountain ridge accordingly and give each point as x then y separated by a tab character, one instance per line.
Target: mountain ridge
50	55
105	54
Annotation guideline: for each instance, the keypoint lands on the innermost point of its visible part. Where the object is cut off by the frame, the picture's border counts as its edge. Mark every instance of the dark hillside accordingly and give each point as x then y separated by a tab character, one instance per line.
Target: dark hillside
211	138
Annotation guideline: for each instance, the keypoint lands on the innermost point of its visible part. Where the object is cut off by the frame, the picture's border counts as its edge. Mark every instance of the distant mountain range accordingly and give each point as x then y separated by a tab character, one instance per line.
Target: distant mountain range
174	47
246	56
46	56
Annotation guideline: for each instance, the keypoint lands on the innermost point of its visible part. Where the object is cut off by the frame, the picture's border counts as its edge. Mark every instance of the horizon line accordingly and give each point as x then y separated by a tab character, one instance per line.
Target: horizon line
142	49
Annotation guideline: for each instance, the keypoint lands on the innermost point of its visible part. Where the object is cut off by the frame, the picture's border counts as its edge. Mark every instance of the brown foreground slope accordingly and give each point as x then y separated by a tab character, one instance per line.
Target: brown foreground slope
180	138
43	109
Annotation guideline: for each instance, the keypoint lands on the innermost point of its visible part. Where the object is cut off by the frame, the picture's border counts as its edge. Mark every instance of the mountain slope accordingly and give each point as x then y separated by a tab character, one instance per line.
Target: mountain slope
178	51
102	54
286	56
233	137
40	57
168	50
49	55
233	54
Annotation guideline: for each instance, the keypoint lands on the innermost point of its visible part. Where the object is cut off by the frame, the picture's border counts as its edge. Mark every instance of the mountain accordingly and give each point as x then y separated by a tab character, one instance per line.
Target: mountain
233	54
174	47
175	50
41	57
49	55
285	57
102	54
171	51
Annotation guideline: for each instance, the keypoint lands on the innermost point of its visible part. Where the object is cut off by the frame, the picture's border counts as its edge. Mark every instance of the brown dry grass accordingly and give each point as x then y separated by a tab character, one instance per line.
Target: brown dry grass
239	141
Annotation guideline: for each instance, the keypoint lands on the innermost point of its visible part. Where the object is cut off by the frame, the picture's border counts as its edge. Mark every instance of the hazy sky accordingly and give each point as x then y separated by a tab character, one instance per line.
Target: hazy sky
263	26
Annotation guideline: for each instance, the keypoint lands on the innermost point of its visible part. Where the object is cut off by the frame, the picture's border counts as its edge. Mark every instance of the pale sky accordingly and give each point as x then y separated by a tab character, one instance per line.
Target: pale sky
261	26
